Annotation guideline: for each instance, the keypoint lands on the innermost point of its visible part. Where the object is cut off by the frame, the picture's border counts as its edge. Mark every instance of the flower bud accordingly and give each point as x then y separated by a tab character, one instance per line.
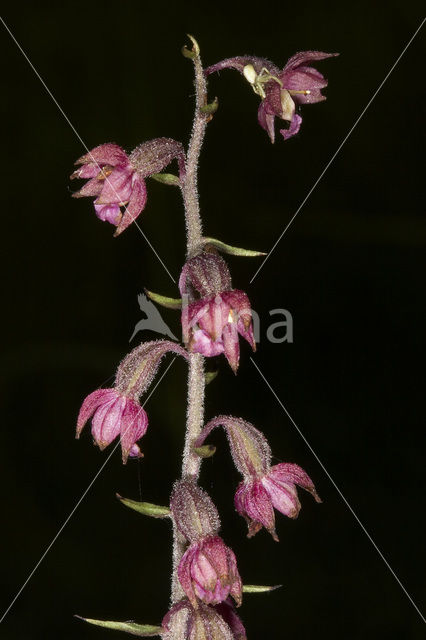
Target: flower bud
138	369
193	511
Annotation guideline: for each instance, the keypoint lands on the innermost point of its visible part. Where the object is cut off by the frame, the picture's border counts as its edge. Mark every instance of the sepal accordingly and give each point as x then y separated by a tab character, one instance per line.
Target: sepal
233	251
141	630
146	508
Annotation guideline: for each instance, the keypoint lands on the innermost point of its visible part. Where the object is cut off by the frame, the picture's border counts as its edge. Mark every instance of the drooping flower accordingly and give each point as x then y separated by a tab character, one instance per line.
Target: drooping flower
214	313
280	90
208	569
114	414
208	572
117	181
184	622
264	487
116	411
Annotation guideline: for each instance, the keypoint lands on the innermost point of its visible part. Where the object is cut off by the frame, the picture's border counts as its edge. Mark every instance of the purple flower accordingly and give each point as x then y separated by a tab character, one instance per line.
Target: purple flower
212	322
184	622
208	572
256	498
117	411
283	90
114	414
117	180
264	487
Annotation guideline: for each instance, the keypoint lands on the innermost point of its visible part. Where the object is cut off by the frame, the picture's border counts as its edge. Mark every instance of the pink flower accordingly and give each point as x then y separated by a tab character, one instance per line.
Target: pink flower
281	91
211	323
257	497
208	572
117	180
264	487
114	414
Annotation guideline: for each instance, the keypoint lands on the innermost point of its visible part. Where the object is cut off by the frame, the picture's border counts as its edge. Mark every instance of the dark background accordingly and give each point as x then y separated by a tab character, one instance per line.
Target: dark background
350	269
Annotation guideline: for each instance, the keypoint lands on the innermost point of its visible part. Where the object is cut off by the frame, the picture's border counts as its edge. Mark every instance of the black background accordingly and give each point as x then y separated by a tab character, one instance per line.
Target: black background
350	270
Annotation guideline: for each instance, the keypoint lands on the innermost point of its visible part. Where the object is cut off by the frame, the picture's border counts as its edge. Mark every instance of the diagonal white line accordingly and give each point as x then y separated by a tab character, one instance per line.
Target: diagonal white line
318	180
340	493
92	482
75	131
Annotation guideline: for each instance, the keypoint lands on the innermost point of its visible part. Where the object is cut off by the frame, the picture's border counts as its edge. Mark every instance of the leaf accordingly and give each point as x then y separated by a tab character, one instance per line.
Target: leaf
164	301
210	376
211	107
166	178
141	630
146	508
233	251
257	588
205	451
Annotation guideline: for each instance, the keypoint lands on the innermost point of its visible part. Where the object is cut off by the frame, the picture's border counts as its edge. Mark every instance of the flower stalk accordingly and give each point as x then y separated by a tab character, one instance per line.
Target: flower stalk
206	583
196	377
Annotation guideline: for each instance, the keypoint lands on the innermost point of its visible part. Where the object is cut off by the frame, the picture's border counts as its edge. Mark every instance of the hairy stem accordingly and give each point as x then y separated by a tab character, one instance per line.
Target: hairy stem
189	188
196	379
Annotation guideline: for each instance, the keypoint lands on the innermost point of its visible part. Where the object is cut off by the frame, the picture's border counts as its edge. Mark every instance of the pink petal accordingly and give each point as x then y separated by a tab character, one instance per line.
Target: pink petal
231	346
108	153
306	56
86	171
286	472
134	423
136	204
253	501
117	187
184	573
106	422
91	403
91	188
266	120
283	496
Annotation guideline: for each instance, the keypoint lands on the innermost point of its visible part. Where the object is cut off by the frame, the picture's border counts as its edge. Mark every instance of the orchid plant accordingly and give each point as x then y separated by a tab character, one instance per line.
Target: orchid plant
206	587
